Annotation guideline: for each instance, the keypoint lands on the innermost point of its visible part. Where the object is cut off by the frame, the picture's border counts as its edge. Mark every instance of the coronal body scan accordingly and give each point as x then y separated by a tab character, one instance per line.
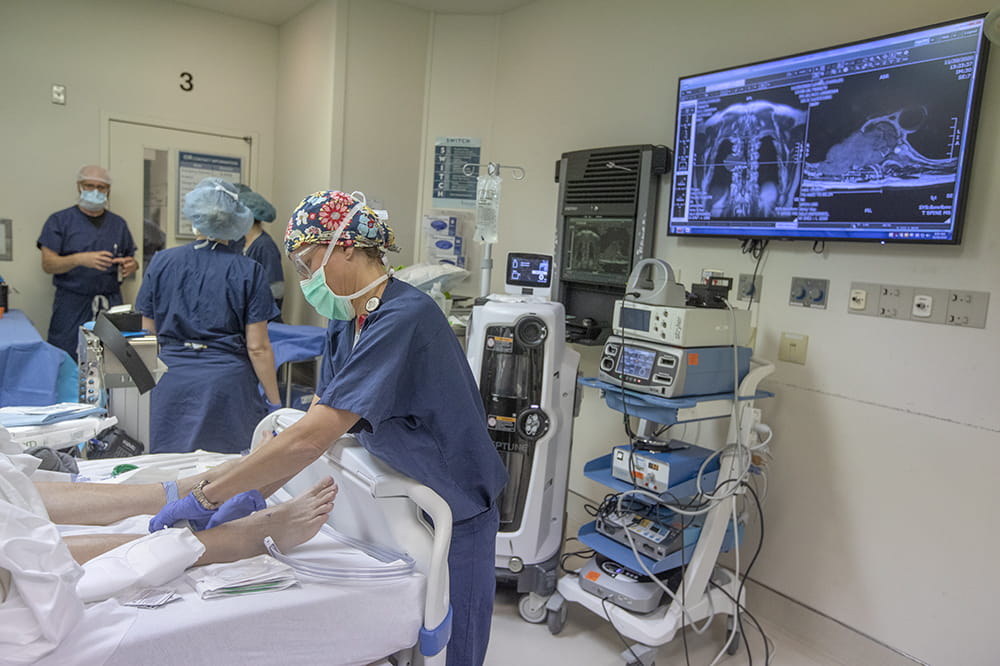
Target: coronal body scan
598	249
751	154
879	153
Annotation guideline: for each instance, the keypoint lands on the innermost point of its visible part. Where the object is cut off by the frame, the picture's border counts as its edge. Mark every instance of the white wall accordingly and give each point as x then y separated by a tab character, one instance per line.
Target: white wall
351	112
311	80
117	57
879	506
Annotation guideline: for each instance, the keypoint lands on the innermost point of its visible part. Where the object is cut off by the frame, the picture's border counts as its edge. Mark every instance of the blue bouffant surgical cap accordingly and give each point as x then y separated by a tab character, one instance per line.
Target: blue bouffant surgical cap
261	208
215	211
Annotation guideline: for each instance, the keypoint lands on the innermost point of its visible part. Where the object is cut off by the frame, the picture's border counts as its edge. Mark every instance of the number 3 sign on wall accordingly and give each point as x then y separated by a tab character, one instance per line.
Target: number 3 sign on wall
187	80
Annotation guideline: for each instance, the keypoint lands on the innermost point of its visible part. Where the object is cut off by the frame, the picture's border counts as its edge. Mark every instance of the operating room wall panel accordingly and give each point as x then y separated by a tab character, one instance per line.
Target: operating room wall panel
884	416
460	103
114	57
384	111
884	521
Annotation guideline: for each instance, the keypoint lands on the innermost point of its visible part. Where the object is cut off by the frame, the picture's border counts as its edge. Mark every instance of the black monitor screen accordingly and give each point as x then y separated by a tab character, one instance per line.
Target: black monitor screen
529	270
597	250
870	141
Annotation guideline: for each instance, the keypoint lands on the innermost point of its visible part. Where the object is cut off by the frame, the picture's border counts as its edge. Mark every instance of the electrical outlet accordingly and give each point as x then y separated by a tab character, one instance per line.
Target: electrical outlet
929	305
808	292
58	93
895	302
967	308
747	290
793	347
863	298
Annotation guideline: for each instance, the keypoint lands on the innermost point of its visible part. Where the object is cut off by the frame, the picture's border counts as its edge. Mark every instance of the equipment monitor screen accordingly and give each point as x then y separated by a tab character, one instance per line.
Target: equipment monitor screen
634	318
529	270
636	362
870	141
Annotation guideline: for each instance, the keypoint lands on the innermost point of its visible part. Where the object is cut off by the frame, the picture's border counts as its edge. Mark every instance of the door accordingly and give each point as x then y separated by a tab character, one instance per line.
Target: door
153	167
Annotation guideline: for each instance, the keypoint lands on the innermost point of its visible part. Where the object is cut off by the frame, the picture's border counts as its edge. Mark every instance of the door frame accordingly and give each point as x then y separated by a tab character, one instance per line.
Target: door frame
253	138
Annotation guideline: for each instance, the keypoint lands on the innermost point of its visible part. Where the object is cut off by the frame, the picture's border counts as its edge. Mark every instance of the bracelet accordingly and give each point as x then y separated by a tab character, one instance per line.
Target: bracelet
199	494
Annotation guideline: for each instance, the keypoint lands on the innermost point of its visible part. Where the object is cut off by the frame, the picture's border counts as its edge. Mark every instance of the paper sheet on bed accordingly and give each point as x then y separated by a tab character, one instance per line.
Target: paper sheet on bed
257	574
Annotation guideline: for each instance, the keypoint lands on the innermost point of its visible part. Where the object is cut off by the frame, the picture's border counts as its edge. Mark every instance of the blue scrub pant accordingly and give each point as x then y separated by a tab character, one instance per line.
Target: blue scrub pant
69	311
472	562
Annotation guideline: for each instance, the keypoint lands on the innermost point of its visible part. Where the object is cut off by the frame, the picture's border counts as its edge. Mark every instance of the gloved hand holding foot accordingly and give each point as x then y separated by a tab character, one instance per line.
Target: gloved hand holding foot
186	508
237	506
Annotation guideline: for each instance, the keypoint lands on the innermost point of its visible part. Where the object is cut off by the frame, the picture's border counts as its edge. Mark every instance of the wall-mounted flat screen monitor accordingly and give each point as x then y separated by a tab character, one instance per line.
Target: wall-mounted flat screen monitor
870	141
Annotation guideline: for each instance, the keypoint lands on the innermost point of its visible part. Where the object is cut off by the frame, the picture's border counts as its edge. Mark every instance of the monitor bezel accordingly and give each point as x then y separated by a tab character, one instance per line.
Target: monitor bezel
528	283
965	166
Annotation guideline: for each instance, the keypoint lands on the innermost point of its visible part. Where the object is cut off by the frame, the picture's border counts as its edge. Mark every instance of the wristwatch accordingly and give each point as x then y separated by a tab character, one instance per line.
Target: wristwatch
199	494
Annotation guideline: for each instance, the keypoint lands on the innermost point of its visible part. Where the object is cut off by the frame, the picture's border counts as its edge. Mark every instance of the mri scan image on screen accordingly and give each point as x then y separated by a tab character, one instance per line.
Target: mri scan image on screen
867	141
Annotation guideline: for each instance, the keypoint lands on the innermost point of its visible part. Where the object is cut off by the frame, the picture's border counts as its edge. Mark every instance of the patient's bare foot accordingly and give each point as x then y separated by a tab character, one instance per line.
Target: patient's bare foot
289	524
296	521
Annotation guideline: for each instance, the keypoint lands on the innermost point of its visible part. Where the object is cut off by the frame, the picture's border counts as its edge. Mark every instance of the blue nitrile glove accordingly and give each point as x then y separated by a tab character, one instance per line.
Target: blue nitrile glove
186	508
272	407
237	506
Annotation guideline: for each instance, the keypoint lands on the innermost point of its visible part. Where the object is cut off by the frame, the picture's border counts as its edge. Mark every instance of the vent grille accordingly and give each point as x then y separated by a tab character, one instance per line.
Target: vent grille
604	177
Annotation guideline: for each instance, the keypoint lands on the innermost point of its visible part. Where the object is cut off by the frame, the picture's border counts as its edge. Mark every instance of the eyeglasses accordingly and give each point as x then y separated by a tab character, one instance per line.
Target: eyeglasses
100	187
302	266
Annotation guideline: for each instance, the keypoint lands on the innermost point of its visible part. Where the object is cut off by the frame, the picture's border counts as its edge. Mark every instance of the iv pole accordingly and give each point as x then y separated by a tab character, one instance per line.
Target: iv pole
492	169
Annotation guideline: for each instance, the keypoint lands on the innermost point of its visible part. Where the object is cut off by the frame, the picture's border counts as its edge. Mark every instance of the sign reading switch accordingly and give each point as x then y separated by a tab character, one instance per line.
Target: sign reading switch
792	348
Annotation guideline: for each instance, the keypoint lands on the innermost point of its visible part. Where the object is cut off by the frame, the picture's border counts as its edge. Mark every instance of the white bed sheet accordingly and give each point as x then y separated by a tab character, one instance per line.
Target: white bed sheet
313	622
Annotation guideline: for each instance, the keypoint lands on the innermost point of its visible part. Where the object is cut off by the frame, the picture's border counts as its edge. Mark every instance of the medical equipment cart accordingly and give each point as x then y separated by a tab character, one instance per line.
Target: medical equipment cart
707	588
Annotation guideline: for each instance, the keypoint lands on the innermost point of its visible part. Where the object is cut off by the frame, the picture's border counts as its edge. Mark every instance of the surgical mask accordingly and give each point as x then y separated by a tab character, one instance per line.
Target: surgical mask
92	199
329	304
319	295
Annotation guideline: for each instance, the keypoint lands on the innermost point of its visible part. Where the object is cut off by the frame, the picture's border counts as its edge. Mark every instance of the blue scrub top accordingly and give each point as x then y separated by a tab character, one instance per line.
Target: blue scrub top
205	293
265	252
408	379
69	231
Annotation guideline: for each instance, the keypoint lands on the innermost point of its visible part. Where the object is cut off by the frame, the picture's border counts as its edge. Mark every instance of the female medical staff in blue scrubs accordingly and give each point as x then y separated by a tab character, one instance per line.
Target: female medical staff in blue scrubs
209	307
83	247
259	245
401	383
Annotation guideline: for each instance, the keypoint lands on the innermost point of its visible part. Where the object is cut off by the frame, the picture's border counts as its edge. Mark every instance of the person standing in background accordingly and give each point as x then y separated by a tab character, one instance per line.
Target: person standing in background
259	245
209	306
88	250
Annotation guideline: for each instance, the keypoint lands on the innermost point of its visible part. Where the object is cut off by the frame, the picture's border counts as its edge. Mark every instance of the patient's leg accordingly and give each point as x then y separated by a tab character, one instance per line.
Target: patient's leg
289	524
106	503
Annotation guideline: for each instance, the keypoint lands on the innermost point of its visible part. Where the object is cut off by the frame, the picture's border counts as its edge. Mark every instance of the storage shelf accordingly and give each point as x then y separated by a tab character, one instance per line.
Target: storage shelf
599	470
622	554
668	411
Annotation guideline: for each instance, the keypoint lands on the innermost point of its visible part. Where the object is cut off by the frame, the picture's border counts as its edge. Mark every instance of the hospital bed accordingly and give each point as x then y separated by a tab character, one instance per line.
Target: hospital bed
398	621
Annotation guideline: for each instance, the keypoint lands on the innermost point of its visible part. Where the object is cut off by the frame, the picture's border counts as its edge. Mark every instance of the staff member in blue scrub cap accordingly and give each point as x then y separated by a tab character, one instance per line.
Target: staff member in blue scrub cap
209	306
401	383
259	246
88	250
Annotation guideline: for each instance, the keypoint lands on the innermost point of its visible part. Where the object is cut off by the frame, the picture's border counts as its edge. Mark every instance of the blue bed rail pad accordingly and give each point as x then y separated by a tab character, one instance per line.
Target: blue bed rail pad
434	640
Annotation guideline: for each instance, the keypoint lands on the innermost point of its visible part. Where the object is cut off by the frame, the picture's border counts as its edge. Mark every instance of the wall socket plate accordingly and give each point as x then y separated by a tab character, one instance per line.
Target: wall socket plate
793	347
744	286
932	305
58	93
966	308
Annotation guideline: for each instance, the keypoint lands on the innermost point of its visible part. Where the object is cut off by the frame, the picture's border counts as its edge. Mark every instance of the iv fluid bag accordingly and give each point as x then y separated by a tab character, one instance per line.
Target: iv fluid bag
487	207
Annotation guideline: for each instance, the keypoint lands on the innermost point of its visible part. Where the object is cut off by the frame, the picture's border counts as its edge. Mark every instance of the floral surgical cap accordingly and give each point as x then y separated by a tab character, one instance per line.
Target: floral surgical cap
317	218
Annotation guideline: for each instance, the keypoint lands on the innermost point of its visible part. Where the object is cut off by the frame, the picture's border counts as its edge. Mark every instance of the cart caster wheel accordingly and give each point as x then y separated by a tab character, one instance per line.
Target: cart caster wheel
734	645
556	619
532	608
